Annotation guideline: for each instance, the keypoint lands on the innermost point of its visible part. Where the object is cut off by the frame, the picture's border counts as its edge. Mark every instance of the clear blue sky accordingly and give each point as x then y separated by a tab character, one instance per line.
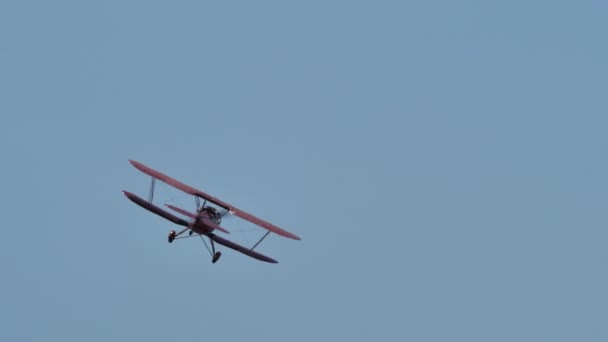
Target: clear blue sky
444	162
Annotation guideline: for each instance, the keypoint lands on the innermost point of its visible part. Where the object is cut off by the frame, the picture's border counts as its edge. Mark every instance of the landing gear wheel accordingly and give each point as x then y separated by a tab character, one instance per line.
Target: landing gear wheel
216	257
172	235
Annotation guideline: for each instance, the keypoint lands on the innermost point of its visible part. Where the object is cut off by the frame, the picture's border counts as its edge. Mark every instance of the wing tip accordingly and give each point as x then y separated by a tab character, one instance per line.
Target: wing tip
135	163
289	235
267	259
223	230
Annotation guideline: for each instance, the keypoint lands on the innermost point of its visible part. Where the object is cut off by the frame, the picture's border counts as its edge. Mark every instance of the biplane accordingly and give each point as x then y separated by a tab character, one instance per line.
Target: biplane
206	220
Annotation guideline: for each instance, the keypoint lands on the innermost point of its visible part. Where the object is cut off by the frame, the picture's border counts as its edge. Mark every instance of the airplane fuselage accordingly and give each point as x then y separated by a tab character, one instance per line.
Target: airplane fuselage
199	226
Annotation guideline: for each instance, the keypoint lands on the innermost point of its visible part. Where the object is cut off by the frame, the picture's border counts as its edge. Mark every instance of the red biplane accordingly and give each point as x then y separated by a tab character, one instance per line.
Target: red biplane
206	220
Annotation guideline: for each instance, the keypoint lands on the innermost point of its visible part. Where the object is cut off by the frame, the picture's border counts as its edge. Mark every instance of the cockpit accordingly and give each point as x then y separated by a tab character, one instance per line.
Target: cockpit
213	213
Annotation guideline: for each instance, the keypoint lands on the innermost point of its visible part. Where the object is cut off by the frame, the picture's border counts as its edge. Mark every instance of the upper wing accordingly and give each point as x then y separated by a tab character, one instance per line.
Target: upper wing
264	224
178	185
195	192
241	249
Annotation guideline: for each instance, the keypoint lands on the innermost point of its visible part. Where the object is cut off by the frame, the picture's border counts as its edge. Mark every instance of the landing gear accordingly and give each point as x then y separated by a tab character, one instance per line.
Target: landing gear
172	235
216	257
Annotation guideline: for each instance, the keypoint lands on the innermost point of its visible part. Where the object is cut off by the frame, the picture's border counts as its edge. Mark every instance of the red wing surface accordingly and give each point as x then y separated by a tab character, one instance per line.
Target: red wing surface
264	224
241	249
195	192
178	185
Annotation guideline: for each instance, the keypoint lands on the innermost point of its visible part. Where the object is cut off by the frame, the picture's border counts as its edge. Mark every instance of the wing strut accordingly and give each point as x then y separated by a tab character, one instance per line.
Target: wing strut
151	194
197	200
215	256
257	243
207	245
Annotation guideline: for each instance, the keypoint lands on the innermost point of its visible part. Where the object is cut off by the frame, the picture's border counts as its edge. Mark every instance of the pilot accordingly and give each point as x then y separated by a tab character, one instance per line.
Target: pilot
213	214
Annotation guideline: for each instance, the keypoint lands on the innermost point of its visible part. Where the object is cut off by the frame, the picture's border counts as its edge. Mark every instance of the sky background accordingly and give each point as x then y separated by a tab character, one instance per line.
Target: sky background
443	161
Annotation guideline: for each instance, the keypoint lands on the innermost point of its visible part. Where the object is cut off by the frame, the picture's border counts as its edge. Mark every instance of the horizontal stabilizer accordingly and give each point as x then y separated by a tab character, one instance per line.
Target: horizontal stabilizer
214	225
181	211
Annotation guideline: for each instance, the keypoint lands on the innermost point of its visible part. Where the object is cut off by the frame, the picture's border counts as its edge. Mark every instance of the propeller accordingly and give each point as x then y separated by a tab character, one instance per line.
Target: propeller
226	214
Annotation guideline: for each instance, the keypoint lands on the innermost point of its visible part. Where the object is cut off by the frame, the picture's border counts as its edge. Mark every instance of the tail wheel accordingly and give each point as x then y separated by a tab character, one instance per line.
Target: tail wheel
172	235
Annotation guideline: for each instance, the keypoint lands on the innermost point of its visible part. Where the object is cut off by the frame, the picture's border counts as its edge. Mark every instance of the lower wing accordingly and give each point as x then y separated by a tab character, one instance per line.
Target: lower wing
241	249
158	211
